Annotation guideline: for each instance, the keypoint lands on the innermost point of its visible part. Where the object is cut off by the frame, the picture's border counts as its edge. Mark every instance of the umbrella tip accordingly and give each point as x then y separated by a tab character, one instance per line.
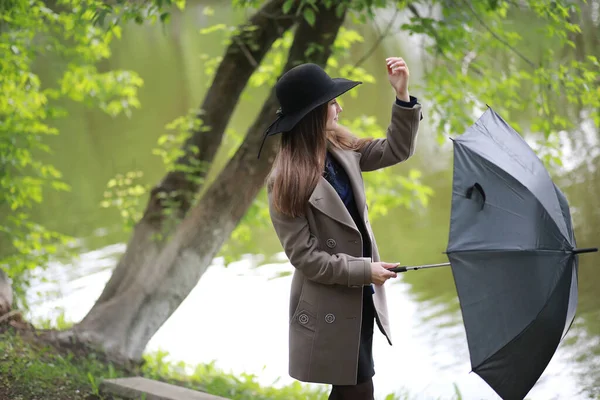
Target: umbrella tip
487	105
585	250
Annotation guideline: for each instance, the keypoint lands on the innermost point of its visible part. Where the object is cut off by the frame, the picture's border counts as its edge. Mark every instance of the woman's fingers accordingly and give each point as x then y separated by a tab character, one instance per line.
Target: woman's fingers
395	62
398	68
389	274
381	272
391	60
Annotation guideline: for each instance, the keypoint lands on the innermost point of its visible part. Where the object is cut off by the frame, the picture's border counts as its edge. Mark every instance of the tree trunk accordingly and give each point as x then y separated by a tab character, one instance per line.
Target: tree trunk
123	323
240	60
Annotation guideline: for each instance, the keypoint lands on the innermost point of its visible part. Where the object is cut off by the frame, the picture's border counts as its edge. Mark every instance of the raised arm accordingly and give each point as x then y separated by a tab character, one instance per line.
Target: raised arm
400	141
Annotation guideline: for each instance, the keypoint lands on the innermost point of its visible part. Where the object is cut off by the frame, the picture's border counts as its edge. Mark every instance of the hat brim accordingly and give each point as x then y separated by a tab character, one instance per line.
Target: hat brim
288	121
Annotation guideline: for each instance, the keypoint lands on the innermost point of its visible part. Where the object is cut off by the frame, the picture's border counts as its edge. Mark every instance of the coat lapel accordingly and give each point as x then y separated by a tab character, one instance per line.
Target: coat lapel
325	198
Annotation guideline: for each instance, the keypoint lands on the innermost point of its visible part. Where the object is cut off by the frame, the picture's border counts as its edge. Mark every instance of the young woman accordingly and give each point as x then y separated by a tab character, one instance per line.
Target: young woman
318	209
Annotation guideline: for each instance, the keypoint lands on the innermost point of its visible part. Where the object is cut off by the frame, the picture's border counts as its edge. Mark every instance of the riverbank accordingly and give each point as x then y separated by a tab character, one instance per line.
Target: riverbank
32	369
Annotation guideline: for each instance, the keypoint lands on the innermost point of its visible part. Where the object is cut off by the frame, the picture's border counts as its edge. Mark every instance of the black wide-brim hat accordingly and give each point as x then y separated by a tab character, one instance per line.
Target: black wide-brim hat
301	90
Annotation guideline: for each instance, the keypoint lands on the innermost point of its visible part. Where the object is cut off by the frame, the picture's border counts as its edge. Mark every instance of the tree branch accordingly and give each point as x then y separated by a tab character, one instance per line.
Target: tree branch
504	42
437	38
247	53
382	36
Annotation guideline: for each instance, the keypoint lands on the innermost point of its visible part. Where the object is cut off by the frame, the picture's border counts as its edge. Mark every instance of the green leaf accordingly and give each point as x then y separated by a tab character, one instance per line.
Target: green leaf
309	16
213	28
60	186
180	4
287	6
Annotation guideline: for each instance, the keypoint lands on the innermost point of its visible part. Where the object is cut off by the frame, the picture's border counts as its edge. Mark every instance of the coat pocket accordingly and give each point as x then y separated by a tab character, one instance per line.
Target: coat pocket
305	318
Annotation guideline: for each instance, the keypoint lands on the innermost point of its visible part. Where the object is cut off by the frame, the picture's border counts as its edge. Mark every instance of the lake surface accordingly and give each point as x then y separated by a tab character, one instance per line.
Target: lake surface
237	314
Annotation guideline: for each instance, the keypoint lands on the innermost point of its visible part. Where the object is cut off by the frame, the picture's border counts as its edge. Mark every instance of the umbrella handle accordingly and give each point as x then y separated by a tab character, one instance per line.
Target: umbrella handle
585	250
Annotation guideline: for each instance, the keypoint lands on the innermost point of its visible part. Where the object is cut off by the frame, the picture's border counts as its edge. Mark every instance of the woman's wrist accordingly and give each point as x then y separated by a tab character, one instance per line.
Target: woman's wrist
404	96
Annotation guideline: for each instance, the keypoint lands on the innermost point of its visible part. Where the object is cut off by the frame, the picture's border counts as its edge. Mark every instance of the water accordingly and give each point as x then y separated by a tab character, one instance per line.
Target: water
247	330
238	315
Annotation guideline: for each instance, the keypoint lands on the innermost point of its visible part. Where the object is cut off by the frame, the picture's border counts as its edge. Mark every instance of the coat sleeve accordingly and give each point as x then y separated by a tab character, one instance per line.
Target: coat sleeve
399	143
301	248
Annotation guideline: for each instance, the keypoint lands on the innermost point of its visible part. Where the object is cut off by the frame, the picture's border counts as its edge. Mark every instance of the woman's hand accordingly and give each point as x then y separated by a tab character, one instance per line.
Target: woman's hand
398	75
380	273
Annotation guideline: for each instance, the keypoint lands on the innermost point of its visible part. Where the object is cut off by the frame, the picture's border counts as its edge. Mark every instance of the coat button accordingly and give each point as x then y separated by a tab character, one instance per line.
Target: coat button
331	243
329	318
303	319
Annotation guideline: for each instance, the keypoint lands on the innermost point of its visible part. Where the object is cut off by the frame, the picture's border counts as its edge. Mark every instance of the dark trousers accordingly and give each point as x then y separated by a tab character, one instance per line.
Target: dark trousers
362	391
366	367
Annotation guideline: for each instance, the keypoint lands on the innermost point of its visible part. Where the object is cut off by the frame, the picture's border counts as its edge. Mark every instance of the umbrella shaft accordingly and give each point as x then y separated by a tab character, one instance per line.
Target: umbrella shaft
415	267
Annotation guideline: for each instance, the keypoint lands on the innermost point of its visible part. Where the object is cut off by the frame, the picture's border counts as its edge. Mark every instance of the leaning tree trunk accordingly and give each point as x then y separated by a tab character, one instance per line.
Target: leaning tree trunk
241	59
124	321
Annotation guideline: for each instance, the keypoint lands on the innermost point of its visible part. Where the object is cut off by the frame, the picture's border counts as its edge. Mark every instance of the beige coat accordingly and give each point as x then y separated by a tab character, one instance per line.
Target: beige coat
325	247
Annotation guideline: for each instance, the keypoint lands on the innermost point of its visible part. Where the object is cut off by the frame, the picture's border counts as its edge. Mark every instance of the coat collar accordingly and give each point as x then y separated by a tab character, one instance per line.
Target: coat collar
325	198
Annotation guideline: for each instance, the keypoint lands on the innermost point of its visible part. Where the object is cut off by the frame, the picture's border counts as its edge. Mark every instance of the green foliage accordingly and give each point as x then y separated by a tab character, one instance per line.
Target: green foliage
124	192
363	10
271	68
172	146
114	14
479	57
69	39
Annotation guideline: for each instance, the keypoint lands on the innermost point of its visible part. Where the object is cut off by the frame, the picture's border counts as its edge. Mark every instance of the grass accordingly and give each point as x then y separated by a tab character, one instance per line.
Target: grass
31	369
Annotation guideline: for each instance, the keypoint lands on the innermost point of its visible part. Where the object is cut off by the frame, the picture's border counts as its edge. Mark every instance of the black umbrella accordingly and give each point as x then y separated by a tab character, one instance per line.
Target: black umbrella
513	256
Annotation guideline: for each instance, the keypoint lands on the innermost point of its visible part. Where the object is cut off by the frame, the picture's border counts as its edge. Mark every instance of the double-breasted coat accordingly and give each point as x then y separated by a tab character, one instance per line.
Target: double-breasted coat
325	247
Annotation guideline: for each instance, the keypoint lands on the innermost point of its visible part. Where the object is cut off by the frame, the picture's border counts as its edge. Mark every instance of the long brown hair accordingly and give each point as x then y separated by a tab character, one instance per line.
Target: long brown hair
301	159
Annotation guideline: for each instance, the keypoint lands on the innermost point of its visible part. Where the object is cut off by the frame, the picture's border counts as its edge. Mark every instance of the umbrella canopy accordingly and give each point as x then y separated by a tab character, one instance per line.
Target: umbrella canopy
513	257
